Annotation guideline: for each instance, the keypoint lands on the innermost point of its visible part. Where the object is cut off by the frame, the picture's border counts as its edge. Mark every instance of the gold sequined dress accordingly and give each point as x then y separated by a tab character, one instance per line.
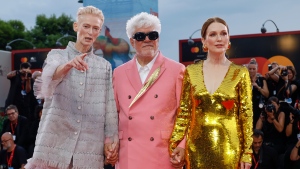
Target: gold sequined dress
218	126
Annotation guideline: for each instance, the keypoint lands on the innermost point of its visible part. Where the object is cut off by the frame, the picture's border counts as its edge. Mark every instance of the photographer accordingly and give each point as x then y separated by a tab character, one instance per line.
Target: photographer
272	124
20	89
274	70
292	84
292	131
259	89
295	155
293	127
280	80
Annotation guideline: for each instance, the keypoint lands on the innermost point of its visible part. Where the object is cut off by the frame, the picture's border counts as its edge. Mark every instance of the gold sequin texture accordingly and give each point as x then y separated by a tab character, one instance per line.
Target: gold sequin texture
218	126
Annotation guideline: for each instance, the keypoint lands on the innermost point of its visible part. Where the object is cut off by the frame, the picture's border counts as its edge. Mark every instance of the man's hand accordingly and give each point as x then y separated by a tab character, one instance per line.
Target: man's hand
177	157
111	153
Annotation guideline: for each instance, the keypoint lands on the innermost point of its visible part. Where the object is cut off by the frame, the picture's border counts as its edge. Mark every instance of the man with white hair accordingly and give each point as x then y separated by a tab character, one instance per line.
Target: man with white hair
147	93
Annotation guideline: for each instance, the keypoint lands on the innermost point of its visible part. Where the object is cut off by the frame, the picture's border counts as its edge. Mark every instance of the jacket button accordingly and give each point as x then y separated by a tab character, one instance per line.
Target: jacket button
151	139
156	96
129	97
130	118
129	138
152	117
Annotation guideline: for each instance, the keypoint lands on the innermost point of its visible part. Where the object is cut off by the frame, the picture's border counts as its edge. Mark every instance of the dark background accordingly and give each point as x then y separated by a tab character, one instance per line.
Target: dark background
286	44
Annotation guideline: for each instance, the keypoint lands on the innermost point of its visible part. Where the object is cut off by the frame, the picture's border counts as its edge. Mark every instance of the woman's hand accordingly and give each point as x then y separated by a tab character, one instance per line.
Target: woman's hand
271	115
79	63
245	165
291	118
177	157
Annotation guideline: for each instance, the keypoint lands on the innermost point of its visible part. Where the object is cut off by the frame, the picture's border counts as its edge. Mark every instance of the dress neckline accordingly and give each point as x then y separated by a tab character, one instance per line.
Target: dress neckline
211	94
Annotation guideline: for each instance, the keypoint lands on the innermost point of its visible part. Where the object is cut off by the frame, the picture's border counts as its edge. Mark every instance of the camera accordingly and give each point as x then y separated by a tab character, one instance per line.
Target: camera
284	72
270	67
24	74
284	106
296	113
270	108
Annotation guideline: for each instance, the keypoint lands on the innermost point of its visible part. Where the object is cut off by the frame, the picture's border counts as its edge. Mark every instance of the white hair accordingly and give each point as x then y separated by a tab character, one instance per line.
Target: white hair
142	20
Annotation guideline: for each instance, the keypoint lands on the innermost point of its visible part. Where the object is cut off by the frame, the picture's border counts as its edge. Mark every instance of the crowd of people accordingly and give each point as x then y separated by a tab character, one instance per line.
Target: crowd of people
23	111
150	112
276	112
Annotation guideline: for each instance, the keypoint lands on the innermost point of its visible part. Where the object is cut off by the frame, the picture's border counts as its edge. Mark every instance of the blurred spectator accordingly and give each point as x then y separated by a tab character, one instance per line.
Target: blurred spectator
17	125
34	128
36	74
293	126
37	86
20	89
278	81
270	82
292	84
263	157
271	122
295	155
259	90
12	156
292	129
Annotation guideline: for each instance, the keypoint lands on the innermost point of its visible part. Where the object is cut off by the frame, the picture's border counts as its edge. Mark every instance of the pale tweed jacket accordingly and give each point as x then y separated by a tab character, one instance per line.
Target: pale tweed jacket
79	113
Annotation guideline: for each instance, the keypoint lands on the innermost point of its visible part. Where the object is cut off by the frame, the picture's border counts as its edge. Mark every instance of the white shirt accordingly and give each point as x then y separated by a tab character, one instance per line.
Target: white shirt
144	70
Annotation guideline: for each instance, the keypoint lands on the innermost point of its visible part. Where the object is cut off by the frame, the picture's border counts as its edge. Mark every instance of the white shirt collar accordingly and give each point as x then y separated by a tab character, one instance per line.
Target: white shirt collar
149	65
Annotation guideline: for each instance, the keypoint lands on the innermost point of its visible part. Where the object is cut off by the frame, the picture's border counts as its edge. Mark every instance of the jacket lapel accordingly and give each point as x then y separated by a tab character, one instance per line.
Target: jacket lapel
133	75
159	62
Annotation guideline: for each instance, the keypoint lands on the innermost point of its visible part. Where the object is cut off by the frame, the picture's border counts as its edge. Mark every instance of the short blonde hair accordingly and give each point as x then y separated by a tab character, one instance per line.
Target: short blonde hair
90	10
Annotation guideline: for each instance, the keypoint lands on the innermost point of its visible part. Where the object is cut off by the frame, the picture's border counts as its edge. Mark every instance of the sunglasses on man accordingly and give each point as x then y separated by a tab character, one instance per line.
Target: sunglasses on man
141	36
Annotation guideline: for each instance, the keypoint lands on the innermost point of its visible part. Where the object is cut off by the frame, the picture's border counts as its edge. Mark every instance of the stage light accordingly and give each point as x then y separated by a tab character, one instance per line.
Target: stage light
8	47
264	30
58	44
190	40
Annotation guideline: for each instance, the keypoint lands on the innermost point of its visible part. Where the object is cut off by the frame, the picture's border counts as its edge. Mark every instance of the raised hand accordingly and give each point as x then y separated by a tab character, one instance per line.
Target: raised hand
79	63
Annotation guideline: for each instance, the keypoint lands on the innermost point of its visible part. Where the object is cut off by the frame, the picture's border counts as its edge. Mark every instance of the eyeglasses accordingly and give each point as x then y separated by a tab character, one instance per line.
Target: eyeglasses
4	141
141	36
10	114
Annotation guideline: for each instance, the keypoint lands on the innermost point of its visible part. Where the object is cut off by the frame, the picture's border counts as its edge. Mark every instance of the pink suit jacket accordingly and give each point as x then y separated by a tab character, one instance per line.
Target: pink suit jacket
145	128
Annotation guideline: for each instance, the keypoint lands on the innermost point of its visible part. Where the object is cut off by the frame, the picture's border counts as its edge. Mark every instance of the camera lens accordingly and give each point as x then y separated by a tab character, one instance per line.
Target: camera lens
269	67
270	107
284	73
29	74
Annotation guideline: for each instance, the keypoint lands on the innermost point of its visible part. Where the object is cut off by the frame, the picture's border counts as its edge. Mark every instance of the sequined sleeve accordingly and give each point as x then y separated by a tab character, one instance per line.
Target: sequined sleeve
245	114
183	114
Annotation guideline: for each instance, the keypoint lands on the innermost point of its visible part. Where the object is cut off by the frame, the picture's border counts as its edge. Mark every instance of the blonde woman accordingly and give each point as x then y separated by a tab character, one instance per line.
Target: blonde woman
79	119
